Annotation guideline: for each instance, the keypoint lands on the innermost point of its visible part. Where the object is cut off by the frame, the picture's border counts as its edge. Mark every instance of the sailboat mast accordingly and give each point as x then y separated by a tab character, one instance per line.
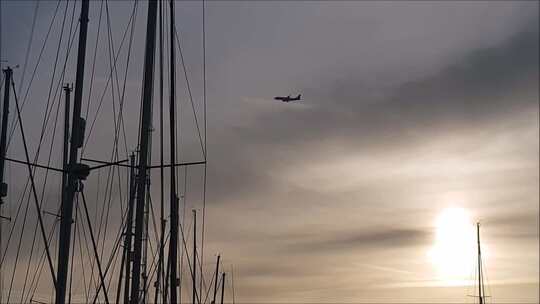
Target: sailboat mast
74	172
216	280
222	287
160	278
67	90
194	297
144	136
173	246
480	281
3	147
3	137
128	234
232	285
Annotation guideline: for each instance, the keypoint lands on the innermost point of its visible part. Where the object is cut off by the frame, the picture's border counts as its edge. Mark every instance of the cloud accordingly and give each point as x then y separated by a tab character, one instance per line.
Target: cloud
483	87
346	241
461	116
515	226
472	89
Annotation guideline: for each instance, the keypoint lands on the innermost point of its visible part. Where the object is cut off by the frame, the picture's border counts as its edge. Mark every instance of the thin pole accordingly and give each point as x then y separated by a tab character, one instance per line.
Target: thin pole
67	90
222	287
144	135
3	149
232	284
160	271
128	233
173	245
77	135
194	256
216	279
3	137
184	197
480	296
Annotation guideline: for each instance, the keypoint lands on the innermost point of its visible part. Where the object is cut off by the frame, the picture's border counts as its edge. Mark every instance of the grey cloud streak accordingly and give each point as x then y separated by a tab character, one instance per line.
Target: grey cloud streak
382	239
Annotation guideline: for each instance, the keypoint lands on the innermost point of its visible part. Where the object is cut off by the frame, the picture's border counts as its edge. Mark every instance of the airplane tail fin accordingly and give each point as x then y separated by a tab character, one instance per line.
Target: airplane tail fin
299	96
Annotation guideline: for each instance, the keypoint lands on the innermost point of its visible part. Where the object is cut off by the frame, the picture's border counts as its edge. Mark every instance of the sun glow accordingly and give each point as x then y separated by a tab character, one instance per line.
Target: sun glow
453	253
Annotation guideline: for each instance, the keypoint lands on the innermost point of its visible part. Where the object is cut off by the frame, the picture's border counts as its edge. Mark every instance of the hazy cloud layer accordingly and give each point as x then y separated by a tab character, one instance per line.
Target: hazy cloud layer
408	108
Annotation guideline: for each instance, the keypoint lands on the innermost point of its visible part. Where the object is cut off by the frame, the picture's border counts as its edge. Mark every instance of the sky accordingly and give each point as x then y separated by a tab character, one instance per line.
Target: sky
417	120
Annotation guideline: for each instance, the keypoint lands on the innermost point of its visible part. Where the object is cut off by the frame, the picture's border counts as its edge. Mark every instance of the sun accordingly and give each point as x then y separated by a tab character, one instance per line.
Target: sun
453	252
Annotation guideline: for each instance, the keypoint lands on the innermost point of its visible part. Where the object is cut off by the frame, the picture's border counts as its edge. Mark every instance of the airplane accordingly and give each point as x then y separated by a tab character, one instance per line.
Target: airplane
288	98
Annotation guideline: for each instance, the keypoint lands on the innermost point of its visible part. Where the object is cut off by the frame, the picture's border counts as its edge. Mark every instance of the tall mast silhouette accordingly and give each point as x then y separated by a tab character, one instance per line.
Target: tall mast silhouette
481	292
76	170
144	144
173	245
130	281
8	72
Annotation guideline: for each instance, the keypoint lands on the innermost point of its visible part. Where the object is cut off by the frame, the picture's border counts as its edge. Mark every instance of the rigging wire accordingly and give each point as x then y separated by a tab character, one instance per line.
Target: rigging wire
94	246
188	86
44	125
188	261
89	101
70	41
184	199
18	250
91	279
29	46
201	272
42	194
52	142
69	47
117	126
109	77
204	148
41	201
81	256
122	97
46	119
202	144
14	126
35	69
26	210
41	264
73	250
115	248
210	287
38	208
41	137
110	171
155	255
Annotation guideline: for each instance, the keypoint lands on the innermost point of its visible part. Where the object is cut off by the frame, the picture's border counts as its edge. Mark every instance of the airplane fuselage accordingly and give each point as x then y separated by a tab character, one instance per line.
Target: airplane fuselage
287	98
